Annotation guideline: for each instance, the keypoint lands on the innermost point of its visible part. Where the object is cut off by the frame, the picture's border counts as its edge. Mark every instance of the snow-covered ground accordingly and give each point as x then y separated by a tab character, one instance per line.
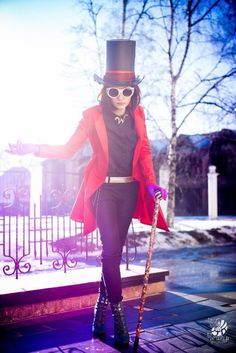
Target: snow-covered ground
197	233
190	232
195	251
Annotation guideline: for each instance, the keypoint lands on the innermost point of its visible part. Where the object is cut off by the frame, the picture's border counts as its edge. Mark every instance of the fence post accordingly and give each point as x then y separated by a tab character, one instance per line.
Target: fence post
36	172
164	174
212	193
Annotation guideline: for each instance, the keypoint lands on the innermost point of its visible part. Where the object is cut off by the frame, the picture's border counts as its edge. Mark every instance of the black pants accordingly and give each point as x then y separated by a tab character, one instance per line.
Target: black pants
113	206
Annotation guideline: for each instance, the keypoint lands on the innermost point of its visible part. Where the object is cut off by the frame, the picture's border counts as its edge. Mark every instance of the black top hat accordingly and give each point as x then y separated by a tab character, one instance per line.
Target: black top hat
120	60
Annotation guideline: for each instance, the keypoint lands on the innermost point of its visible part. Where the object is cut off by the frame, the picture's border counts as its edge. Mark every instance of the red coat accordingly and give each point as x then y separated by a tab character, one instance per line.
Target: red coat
92	127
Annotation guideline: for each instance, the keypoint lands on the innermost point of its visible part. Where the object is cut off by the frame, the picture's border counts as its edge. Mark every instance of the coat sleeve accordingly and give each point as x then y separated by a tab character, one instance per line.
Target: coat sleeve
68	149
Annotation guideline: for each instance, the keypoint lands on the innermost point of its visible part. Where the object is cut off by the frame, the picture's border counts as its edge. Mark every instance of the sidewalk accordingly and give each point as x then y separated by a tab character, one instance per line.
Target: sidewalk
172	322
197	313
203	222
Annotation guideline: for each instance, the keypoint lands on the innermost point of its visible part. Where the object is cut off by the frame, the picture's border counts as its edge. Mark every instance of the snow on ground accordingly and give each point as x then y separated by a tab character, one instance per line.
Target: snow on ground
189	232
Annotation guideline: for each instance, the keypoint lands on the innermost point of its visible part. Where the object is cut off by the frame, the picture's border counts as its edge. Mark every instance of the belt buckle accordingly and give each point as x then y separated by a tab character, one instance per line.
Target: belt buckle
125	179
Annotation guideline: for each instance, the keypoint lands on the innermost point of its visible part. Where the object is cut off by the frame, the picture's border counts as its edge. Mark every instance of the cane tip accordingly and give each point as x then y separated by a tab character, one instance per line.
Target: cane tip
135	347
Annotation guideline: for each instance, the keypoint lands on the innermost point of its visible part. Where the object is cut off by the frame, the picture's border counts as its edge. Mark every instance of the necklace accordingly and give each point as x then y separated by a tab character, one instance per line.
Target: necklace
121	119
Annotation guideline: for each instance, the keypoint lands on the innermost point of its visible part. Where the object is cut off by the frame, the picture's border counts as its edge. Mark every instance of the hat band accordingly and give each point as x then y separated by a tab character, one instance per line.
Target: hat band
119	76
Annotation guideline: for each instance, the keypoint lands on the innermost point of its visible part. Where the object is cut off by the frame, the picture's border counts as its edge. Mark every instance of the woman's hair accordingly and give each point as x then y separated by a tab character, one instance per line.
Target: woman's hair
106	103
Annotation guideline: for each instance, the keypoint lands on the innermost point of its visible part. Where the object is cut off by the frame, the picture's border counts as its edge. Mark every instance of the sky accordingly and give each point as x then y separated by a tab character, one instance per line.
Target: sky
40	102
36	43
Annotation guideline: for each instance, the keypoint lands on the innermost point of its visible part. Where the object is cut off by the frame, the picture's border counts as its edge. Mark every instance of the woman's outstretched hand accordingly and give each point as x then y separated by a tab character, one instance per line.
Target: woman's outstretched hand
157	191
22	148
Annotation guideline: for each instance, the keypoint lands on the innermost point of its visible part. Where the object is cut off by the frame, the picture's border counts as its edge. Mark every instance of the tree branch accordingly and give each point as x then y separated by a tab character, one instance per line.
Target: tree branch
205	13
211	88
188	36
142	12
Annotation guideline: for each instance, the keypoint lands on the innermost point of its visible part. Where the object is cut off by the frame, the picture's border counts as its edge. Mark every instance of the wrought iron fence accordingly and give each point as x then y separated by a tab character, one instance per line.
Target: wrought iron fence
39	243
43	237
15	192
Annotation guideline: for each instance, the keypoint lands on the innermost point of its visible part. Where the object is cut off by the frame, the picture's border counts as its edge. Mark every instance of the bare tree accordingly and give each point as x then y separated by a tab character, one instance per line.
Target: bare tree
194	14
196	74
187	73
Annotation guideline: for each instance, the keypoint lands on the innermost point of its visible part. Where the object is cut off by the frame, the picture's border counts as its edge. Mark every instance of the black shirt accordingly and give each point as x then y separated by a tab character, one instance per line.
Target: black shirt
122	139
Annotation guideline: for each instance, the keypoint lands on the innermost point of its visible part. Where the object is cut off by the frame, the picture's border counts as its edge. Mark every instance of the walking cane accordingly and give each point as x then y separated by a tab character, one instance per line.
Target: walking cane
146	275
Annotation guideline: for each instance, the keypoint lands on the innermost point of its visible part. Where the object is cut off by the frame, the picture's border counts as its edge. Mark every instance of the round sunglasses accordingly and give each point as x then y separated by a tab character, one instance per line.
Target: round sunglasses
114	92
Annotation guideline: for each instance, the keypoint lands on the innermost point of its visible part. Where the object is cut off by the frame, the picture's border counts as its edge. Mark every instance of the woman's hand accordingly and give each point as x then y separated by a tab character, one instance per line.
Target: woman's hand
157	191
22	148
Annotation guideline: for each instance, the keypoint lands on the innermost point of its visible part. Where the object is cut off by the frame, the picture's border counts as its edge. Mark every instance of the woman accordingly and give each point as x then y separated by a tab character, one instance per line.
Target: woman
119	181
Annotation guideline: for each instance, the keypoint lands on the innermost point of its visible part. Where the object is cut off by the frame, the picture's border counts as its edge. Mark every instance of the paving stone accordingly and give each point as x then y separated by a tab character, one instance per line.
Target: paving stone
48	350
230	317
192	307
150	314
194	312
204	349
193	328
34	330
150	336
73	325
177	344
167	300
191	297
150	320
160	347
184	327
162	332
42	341
162	319
222	306
93	345
172	319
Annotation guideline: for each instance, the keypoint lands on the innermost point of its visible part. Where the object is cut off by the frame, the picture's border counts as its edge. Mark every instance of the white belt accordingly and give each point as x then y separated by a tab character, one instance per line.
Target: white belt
126	179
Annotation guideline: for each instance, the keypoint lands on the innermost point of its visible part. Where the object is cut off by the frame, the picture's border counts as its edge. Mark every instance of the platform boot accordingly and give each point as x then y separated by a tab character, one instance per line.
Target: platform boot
121	334
99	325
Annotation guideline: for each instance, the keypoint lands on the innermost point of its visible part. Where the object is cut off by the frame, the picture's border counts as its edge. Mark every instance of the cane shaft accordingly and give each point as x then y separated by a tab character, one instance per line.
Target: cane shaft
146	275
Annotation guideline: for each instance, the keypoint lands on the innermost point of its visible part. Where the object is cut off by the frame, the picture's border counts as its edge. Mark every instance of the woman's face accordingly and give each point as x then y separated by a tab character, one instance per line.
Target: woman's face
120	97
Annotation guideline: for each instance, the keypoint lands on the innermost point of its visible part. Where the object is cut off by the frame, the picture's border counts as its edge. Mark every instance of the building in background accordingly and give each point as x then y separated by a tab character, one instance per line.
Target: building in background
195	153
61	179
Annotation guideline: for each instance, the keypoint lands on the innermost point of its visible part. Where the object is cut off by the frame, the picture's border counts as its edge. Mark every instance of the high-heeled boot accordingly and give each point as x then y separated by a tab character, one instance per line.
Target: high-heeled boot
121	334
99	325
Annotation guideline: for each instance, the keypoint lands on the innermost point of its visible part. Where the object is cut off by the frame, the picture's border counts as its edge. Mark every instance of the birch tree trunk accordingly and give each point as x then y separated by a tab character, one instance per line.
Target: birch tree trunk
174	77
172	158
124	6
